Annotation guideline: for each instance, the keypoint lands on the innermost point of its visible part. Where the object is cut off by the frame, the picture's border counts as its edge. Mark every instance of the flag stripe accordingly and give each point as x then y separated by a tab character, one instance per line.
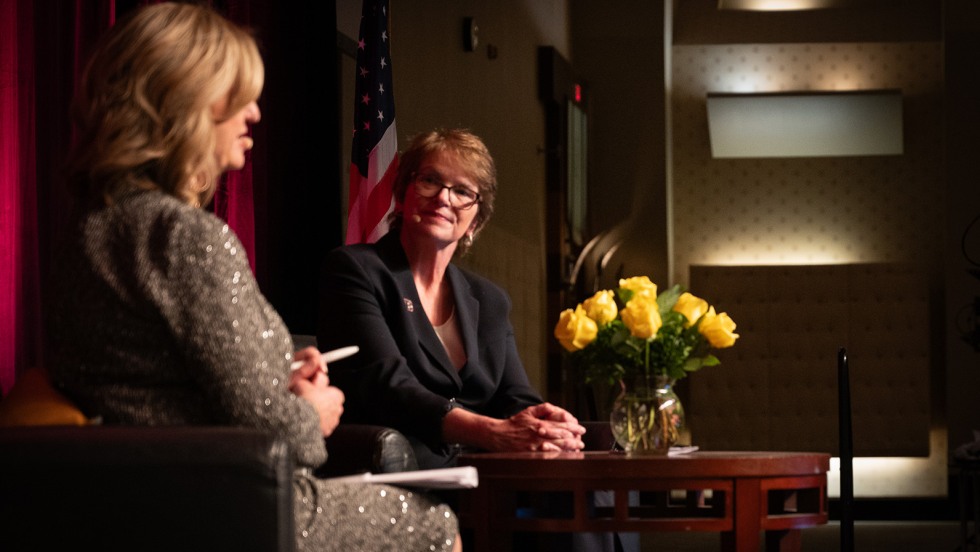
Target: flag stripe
374	149
370	215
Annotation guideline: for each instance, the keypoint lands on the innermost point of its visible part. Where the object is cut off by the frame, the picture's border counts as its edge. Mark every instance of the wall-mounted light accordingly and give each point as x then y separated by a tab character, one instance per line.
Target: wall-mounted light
805	124
784	5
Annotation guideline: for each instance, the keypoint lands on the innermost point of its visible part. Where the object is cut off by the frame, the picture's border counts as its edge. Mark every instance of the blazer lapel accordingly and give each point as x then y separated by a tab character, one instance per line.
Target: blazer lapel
411	309
467	313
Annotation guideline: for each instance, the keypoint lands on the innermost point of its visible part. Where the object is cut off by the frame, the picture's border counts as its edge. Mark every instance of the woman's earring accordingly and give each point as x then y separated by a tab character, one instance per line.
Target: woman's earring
468	240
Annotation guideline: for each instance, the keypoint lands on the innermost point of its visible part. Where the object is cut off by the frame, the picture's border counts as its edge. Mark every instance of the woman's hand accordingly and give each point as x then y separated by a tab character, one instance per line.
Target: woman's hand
312	361
543	427
310	382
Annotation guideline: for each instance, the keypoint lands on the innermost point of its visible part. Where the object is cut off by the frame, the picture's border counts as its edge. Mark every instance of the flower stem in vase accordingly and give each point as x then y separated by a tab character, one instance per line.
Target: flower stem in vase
630	415
665	426
651	422
646	365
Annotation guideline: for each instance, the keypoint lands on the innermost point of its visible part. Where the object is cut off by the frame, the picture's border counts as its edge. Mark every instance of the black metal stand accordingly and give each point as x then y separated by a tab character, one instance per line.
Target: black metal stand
969	491
846	453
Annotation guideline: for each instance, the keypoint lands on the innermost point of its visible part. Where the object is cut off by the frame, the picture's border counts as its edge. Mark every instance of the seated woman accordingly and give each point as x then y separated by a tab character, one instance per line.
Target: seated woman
156	318
438	359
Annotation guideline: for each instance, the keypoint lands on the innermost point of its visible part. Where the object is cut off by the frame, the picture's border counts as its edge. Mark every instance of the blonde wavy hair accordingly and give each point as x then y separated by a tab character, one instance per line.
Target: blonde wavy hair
470	152
144	109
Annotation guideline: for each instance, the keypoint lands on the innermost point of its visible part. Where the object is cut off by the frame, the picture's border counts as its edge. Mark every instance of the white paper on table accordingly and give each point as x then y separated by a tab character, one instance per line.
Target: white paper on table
678	451
462	477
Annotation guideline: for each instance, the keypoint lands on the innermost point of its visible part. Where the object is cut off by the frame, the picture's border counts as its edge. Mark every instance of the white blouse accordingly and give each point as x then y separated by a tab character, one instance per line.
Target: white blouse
451	339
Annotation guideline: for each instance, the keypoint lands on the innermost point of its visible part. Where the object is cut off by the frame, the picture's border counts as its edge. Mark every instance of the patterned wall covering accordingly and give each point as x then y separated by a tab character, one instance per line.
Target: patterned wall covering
777	388
807	210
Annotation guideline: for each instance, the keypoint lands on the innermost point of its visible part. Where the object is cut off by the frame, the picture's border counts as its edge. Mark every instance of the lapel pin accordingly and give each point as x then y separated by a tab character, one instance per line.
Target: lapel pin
408	304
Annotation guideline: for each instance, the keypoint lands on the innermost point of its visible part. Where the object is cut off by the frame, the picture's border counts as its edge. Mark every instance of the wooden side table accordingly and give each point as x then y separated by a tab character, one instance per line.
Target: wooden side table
738	494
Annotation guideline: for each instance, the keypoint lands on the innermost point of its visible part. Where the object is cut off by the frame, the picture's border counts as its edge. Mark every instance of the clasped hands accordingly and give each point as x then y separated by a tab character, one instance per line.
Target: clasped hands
542	427
311	382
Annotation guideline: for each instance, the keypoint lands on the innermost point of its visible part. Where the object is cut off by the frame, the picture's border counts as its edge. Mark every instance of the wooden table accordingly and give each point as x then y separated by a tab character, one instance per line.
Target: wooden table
739	494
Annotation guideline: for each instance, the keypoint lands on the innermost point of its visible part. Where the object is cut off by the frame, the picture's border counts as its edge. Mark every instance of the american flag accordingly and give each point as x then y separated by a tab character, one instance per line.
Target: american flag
374	151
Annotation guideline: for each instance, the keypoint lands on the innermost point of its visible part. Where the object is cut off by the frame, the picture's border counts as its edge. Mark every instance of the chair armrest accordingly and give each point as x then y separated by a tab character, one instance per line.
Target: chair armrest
359	448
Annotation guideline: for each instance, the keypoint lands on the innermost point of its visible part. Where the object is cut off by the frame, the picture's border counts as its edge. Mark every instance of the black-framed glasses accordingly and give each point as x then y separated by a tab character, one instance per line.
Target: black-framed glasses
430	185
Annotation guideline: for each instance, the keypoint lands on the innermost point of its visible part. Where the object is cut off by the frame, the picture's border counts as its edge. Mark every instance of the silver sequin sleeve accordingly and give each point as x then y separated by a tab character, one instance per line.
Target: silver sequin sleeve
159	321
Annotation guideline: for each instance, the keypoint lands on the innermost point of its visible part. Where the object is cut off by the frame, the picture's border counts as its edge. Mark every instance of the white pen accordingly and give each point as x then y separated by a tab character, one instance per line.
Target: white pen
331	356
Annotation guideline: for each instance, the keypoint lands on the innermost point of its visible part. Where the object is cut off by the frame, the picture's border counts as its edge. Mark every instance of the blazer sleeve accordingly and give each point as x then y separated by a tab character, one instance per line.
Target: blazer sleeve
357	293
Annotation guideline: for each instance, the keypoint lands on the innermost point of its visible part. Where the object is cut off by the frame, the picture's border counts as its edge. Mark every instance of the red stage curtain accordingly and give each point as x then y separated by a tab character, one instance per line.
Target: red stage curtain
19	290
43	49
233	201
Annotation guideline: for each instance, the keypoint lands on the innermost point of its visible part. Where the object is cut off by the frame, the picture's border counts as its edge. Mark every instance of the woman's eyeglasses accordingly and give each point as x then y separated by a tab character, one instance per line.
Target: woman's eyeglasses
460	197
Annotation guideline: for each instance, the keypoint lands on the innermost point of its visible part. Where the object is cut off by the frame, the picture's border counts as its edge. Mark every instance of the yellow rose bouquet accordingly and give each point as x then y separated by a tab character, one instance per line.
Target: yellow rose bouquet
633	332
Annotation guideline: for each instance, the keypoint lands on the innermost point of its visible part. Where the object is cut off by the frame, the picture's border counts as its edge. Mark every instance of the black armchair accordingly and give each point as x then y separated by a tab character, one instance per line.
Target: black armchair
357	448
138	488
70	487
165	488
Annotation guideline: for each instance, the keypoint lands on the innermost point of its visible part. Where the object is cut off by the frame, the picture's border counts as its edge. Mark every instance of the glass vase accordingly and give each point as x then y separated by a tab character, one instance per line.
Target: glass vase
647	417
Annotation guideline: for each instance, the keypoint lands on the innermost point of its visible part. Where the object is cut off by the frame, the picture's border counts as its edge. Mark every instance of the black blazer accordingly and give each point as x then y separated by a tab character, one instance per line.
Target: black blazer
402	377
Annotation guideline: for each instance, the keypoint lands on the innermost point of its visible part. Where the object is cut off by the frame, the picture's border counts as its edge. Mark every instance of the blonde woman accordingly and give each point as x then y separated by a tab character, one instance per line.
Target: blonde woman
157	316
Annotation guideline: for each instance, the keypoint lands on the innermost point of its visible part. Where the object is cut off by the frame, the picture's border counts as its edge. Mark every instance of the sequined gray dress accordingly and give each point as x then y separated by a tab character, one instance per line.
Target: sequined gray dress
157	320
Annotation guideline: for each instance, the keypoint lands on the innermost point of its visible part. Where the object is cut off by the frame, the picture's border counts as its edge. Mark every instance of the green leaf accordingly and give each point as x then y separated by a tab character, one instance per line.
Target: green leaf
624	295
668	298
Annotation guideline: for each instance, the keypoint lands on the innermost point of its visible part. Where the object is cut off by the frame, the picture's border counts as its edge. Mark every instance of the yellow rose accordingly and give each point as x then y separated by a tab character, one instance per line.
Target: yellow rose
718	329
691	307
639	285
575	330
642	316
601	307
